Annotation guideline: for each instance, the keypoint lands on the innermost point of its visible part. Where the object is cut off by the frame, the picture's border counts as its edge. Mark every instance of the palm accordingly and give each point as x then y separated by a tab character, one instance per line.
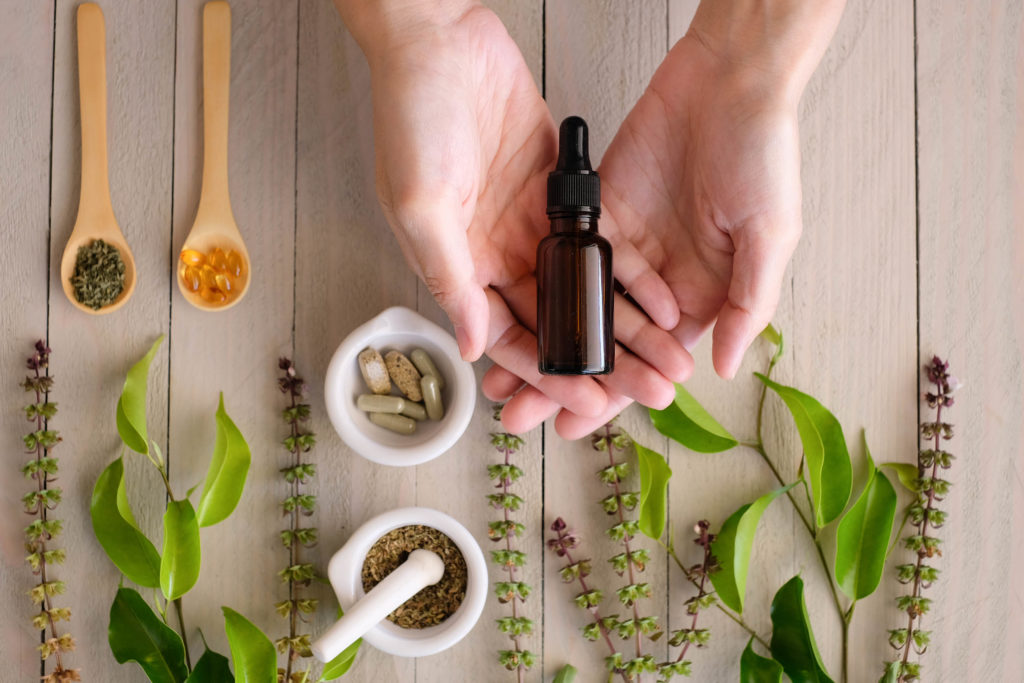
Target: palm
696	179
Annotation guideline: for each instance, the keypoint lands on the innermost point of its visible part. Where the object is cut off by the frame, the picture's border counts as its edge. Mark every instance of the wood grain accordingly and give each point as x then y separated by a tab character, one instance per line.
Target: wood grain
970	89
26	71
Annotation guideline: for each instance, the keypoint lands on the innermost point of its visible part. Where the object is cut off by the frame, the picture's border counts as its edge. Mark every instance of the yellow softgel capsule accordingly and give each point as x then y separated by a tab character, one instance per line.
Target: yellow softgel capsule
191	257
191	278
213	295
223	283
219	260
235	264
209	276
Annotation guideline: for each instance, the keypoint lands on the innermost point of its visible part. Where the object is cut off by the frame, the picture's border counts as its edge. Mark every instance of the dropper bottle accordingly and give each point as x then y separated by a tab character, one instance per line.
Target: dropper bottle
574	267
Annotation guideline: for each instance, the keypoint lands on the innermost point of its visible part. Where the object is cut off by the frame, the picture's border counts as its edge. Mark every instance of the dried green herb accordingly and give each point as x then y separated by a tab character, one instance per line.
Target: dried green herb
40	503
433	604
99	275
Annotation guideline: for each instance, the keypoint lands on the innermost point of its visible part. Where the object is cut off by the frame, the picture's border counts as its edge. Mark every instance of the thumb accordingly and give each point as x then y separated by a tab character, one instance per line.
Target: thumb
436	246
759	265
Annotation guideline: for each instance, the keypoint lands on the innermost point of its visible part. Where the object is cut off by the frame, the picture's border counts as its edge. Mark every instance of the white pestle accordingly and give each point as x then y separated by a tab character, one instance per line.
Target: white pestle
421	569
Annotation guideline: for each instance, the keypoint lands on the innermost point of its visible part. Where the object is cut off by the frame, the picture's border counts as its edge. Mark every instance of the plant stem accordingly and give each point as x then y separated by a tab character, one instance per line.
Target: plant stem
184	636
293	548
510	568
722	608
42	482
593	610
700	594
625	539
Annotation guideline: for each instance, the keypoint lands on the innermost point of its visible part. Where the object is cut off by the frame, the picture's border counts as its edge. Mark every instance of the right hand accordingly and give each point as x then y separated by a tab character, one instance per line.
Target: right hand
463	145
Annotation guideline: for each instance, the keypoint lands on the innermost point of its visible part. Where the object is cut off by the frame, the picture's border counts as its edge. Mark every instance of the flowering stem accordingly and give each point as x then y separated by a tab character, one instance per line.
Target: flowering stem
625	539
705	567
293	548
510	568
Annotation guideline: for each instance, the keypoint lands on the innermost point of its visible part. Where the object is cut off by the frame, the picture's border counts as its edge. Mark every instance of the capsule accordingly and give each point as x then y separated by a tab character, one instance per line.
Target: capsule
234	263
209	277
191	257
213	295
426	366
414	410
223	283
375	403
394	423
190	278
431	397
219	260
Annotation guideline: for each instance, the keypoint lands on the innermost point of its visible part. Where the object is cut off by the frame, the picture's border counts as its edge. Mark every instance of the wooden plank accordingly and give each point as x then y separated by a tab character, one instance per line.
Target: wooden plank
464	469
597	66
348	269
870	62
26	72
96	352
970	85
236	351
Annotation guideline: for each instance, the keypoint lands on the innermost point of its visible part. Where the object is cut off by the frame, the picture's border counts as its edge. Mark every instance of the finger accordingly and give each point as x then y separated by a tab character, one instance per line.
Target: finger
644	284
664	352
638	381
690	330
435	244
514	347
499	384
571	426
758	268
526	410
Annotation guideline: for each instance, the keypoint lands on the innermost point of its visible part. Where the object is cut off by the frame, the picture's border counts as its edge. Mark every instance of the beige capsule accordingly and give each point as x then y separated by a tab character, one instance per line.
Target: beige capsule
395	423
414	410
374	371
376	403
432	397
404	374
425	364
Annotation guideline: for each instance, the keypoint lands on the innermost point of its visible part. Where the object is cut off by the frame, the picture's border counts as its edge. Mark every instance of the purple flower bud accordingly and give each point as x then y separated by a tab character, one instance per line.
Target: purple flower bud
558	525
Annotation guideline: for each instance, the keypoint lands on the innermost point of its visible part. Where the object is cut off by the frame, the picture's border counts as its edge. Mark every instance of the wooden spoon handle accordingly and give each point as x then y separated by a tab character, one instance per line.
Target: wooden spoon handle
94	200
216	86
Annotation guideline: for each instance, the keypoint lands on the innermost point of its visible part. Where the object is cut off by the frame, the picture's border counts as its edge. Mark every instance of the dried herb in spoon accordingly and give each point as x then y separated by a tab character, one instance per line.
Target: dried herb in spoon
99	275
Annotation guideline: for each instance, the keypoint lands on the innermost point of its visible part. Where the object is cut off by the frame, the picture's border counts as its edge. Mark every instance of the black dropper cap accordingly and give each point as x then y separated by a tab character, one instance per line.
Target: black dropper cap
574	186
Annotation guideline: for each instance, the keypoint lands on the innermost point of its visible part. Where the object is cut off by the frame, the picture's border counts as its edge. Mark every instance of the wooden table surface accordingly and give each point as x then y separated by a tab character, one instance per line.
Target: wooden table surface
913	147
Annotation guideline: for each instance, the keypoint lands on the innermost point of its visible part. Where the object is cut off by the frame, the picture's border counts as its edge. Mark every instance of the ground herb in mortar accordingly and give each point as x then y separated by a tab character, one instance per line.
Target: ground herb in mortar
433	604
99	275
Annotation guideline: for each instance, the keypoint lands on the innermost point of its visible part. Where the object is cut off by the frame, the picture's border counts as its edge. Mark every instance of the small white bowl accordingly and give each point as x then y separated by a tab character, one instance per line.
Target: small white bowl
403	330
345	572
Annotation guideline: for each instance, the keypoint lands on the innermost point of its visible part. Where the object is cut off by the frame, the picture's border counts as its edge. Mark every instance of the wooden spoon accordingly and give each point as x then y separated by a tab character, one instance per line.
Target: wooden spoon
215	223
96	219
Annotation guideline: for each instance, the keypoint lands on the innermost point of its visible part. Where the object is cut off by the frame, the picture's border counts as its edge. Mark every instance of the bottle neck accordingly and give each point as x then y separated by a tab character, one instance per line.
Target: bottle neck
573	222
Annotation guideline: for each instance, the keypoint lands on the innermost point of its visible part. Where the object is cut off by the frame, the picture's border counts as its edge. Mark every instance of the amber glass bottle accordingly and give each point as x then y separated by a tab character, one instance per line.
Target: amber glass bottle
574	267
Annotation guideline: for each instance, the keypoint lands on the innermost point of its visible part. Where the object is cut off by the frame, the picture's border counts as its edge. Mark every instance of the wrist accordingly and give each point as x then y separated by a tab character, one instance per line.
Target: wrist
380	26
769	45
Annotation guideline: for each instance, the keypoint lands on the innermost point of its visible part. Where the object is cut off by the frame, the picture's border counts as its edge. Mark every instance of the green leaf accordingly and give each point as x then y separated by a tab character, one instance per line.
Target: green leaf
115	529
654	476
686	421
732	547
567	674
906	472
137	634
339	666
772	335
228	468
253	653
131	407
793	643
211	668
757	669
862	539
892	670
828	460
179	564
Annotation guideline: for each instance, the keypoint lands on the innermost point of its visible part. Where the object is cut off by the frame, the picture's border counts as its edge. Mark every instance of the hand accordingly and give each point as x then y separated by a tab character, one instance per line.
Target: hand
464	143
701	185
